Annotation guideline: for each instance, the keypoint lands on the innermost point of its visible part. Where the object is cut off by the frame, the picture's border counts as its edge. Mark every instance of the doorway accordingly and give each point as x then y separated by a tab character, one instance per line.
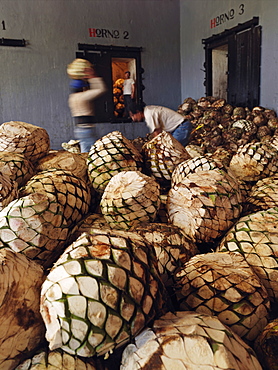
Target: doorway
119	67
220	71
232	64
111	62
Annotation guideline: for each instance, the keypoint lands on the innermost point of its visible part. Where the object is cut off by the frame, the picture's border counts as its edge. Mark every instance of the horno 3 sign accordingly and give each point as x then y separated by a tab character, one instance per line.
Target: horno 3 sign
227	16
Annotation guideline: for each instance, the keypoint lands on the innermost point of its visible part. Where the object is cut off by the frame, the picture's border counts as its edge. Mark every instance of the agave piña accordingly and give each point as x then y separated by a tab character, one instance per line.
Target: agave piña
34	226
188	340
263	195
224	285
8	190
162	154
71	192
255	236
130	198
56	360
22	328
102	291
266	345
205	204
196	164
17	167
24	138
64	160
171	246
254	161
110	155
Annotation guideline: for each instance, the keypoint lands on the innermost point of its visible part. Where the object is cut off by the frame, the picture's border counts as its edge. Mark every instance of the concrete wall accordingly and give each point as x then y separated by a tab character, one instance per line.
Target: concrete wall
34	83
195	25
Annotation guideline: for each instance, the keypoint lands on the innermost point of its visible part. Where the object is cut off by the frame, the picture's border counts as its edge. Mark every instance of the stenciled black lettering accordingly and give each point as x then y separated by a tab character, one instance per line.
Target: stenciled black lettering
104	32
221	18
232	13
116	34
110	33
217	21
98	32
126	35
241	9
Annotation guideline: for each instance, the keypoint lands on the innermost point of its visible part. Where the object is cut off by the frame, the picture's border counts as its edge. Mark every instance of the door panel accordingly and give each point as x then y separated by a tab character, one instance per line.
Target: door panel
255	77
244	68
244	60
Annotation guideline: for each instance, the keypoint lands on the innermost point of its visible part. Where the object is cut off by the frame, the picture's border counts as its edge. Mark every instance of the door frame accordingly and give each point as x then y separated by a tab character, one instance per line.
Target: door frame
229	37
107	53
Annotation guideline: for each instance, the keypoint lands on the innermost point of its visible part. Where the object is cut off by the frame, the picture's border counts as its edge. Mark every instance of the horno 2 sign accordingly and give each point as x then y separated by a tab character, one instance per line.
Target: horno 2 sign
106	33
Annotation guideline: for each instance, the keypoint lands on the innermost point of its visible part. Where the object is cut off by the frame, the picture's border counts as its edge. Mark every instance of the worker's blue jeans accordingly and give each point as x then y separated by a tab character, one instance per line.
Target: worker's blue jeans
86	136
182	132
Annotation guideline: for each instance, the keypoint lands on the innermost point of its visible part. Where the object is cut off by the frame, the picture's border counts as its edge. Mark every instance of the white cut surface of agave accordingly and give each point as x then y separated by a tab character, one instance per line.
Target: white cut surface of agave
130	198
204	204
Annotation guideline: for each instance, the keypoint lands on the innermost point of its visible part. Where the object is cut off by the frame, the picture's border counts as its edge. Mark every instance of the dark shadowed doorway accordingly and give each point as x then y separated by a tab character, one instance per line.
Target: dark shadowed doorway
232	64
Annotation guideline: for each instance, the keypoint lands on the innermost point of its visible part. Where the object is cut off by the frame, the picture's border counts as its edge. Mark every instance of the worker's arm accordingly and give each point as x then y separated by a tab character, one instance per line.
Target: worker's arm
132	90
97	86
156	132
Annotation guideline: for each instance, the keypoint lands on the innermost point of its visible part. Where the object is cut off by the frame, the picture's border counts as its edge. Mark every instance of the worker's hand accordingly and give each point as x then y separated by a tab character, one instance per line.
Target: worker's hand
156	132
90	73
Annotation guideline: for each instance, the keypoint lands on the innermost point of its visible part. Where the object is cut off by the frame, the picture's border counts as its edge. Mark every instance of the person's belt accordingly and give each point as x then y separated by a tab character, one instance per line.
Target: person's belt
84	119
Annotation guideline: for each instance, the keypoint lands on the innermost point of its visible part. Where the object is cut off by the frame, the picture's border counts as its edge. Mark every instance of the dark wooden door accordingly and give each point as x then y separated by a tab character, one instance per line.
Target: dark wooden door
244	60
244	68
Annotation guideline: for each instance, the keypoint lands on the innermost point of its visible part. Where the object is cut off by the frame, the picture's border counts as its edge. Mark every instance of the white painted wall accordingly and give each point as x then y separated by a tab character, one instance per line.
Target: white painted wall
195	26
34	83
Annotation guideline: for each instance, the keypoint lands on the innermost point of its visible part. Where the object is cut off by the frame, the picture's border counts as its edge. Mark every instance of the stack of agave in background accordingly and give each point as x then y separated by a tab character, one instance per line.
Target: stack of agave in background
142	254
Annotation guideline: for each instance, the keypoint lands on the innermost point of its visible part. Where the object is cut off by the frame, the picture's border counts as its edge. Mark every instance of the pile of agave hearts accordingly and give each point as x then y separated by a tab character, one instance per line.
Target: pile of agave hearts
219	124
244	279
